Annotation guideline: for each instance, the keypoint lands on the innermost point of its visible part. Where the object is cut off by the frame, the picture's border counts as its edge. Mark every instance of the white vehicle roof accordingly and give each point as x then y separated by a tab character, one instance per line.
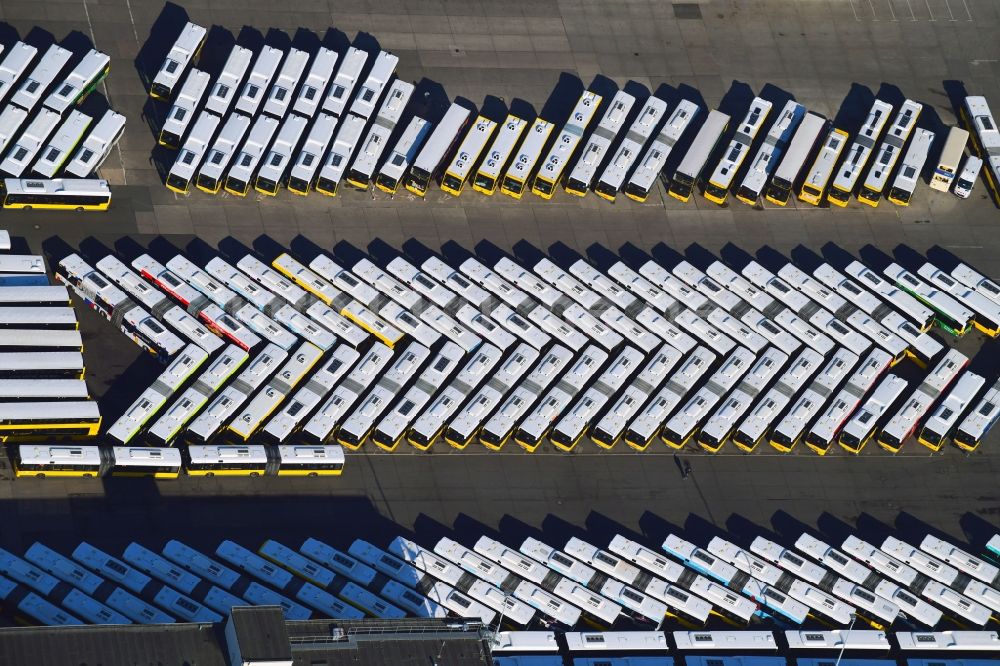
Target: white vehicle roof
29	143
62	143
257	83
342	87
313	90
88	70
228	82
14	66
96	147
191	153
341	152
370	91
182	112
275	164
374	143
656	155
183	50
569	137
585	170
857	155
628	152
531	149
223	150
279	97
503	145
41	77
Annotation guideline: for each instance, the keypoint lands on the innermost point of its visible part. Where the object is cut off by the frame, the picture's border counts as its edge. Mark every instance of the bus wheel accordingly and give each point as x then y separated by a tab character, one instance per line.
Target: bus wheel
209	473
313	474
254	473
40	475
27	208
88	476
79	209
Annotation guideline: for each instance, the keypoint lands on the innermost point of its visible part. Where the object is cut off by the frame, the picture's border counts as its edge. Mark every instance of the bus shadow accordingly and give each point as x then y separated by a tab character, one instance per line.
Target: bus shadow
162	34
854	108
977	530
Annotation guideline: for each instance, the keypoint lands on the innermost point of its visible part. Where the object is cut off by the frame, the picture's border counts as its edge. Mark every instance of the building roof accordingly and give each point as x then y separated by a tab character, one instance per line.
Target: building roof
261	634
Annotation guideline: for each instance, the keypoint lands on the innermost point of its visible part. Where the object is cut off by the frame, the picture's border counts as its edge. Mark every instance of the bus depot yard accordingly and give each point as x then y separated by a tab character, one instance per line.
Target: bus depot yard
928	585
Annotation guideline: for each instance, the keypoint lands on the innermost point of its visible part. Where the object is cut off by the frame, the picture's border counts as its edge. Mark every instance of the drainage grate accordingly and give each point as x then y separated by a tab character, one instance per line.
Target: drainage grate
687	10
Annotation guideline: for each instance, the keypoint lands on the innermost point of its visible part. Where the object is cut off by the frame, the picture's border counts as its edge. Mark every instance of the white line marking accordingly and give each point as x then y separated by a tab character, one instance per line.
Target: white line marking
928	3
891	10
107	95
950	13
855	10
872	5
967	12
132	21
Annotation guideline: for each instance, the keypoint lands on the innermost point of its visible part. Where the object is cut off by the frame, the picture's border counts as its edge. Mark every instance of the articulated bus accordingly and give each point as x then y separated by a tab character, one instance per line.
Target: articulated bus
254	565
41	77
986	313
986	137
468	155
430	159
262	405
245	165
62	567
302	175
902	424
190	156
794	159
257	83
913	164
410	143
613	176
951	156
182	112
279	97
582	176
562	151
889	152
228	82
27	146
849	170
374	144
765	412
655	158
767	156
14	66
96	147
159	275
79	83
822	433
342	87
970	277
904	303
717	187
184	50
685	179
498	156
275	164
313	90
273	281
949	314
212	172
968	564
520	171
818	176
978	421
55	153
939	426
341	152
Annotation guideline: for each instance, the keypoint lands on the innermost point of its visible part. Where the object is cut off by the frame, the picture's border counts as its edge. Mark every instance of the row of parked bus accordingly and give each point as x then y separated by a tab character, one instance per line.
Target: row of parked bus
42	133
42	387
745	648
420	346
291	125
534	587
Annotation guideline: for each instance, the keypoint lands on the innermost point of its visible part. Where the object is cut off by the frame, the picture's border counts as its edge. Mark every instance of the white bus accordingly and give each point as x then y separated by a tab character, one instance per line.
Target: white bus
211	174
259	595
25	365
649	422
184	50
498	157
233	396
467	156
275	164
14	66
561	153
254	565
770	150
296	563
83	78
685	179
949	314
579	416
903	302
794	159
158	567
986	312
961	560
24	150
613	176
279	97
225	460
11	119
370	92
302	175
228	82
516	177
110	567
889	152
718	184
342	87
499	427
463	427
190	156
54	155
951	155
41	78
373	145
361	421
97	146
818	177
429	424
610	427
913	164
182	111
313	90
655	158
849	170
405	151
257	83
978	421
430	159
338	561
245	165
862	424
199	564
201	281
582	176
341	153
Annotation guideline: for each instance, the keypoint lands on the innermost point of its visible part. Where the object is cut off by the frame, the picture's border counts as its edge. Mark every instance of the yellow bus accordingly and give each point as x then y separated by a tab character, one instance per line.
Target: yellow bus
889	152
717	187
819	174
467	157
520	170
225	460
565	146
370	322
62	419
499	155
42	460
77	194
